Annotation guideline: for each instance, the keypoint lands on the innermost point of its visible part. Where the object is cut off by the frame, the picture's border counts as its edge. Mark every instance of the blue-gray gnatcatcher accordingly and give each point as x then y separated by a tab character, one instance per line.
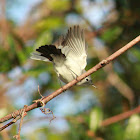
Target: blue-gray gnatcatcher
68	56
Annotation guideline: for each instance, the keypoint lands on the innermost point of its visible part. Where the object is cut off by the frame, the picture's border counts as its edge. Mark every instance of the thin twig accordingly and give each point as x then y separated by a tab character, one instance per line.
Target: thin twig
120	117
72	83
10	123
23	114
39	92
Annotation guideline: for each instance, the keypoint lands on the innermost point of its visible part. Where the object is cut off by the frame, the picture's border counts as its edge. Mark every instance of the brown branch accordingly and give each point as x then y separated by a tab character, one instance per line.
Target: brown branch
23	114
105	122
10	123
113	79
72	83
120	117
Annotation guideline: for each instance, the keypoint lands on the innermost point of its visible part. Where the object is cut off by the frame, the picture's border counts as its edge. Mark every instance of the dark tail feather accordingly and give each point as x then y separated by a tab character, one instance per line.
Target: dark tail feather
48	51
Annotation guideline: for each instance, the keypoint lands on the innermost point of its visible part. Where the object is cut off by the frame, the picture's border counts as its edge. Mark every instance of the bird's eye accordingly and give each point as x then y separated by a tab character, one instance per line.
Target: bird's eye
86	79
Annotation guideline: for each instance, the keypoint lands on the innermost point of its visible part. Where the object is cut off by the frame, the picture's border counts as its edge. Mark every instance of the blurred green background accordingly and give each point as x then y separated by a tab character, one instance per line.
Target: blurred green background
109	25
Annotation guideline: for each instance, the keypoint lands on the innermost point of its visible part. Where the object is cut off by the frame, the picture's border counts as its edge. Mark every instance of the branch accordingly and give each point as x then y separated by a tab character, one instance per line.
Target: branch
10	123
105	122
23	114
114	79
72	83
120	117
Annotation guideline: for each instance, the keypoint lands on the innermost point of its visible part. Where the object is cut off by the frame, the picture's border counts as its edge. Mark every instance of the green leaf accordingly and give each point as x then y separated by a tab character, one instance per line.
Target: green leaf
136	53
11	43
95	118
112	34
49	23
58	5
132	131
44	38
3	112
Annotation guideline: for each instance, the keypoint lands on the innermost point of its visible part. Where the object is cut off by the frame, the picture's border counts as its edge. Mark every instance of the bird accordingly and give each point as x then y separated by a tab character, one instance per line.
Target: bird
68	55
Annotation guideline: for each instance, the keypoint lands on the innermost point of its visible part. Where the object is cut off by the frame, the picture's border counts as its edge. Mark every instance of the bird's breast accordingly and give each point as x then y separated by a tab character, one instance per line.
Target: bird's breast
68	71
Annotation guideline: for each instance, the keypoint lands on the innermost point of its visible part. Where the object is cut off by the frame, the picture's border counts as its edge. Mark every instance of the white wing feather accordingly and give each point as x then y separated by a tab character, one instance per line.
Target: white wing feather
75	47
72	46
37	56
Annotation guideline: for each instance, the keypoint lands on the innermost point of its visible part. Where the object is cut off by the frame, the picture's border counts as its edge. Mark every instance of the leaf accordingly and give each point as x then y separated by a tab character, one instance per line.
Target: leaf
3	112
44	38
132	131
112	34
49	23
95	118
60	5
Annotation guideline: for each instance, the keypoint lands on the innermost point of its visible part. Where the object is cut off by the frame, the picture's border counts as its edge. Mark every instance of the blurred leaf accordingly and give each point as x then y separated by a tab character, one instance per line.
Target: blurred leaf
136	53
54	137
112	34
13	50
38	134
116	131
132	131
43	39
24	55
3	112
60	5
49	23
35	72
21	56
11	43
5	64
95	119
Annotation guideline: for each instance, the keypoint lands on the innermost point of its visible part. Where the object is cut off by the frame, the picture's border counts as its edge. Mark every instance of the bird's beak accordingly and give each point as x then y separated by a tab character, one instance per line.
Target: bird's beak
94	86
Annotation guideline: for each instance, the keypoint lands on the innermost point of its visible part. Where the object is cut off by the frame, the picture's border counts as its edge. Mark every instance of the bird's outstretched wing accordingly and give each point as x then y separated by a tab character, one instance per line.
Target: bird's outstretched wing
73	46
70	47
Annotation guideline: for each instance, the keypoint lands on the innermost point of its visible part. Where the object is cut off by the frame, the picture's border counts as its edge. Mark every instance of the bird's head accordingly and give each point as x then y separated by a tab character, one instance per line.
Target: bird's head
86	82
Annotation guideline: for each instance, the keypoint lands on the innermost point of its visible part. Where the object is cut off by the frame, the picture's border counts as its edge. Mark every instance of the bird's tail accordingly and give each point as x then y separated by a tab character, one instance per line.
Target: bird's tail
46	53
